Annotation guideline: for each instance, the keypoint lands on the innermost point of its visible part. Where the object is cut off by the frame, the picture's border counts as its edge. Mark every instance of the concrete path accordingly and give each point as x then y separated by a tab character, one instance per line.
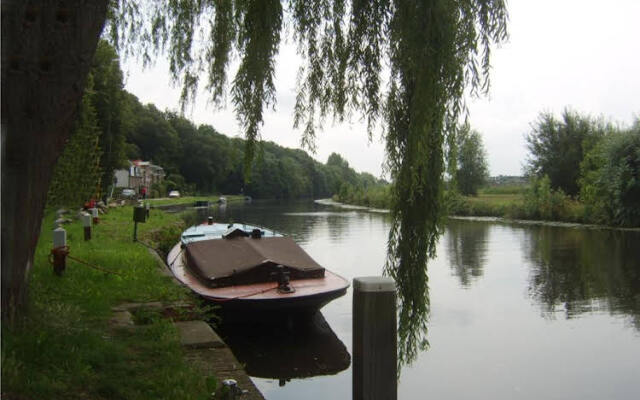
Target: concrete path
209	354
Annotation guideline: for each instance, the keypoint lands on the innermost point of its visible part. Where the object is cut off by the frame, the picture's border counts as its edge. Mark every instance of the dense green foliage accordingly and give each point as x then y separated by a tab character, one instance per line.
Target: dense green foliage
610	179
63	347
585	157
557	147
97	144
472	168
76	176
108	101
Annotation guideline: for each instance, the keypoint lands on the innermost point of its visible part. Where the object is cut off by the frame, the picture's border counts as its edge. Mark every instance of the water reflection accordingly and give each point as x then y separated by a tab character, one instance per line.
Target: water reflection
467	245
576	271
287	349
486	328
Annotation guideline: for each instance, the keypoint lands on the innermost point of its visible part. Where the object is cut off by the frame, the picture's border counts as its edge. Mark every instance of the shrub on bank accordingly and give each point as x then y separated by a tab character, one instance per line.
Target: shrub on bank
378	196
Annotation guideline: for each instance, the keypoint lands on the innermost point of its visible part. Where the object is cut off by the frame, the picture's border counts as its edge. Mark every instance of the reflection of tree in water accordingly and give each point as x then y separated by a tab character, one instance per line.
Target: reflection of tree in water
467	249
582	270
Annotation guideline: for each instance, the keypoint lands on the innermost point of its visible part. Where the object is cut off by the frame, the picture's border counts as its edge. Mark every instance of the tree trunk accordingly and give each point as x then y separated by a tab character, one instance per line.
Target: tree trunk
47	49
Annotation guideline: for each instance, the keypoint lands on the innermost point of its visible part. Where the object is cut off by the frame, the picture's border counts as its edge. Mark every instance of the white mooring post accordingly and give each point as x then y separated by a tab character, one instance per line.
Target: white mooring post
96	217
86	222
374	339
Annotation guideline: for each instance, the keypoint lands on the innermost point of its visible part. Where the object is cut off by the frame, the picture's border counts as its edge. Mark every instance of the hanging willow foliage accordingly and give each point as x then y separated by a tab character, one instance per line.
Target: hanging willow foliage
424	53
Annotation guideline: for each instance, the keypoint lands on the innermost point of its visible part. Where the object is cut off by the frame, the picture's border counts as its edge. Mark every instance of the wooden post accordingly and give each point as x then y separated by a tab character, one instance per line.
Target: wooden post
135	231
374	339
86	222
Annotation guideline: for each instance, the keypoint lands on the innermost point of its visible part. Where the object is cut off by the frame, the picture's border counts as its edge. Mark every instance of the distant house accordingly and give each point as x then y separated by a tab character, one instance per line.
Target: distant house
139	174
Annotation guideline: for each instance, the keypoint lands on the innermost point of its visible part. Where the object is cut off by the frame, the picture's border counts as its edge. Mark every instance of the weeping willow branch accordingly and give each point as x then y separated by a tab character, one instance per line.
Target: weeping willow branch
433	58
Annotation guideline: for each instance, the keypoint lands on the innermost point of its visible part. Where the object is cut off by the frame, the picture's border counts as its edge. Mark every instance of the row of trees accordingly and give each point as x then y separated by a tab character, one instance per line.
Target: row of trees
206	161
113	126
589	160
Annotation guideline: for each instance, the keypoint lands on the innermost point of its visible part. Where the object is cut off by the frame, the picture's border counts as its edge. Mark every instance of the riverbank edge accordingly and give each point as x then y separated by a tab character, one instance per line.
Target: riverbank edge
213	357
503	220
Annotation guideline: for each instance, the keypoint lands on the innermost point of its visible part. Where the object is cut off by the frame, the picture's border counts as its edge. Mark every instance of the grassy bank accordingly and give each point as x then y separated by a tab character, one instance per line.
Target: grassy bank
64	346
513	202
485	205
193	199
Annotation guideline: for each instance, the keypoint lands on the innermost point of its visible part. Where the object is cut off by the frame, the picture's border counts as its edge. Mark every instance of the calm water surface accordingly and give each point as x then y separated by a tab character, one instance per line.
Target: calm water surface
517	311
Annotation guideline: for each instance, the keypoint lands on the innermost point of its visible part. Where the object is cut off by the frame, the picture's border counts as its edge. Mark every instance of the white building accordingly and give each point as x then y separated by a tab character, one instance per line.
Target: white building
139	174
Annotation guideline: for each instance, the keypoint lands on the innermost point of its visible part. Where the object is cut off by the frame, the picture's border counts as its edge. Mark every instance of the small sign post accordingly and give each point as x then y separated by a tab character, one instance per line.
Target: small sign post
139	215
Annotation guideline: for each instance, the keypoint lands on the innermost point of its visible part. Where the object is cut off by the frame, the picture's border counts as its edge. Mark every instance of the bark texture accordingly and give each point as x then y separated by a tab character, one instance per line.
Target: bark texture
47	49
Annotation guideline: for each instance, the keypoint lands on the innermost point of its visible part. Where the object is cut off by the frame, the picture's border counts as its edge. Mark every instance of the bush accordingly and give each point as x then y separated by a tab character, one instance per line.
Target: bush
620	178
544	203
610	180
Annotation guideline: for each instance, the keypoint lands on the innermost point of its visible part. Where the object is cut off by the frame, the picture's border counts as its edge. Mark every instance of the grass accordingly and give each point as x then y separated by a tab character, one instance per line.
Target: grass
192	199
63	348
503	189
491	201
488	205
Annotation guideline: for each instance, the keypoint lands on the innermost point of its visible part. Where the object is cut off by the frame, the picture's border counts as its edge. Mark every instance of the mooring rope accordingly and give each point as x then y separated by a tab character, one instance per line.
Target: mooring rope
176	257
64	250
242	296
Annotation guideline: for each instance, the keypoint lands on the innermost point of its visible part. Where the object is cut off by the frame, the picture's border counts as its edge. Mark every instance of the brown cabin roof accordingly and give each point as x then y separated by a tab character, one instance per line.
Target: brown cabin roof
221	262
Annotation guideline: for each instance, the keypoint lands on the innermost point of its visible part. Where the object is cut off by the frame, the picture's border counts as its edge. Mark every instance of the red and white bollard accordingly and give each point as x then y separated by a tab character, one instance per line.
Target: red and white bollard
86	222
60	250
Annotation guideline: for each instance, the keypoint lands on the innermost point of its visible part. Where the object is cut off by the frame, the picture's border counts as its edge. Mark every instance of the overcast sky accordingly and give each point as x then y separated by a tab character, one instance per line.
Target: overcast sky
582	54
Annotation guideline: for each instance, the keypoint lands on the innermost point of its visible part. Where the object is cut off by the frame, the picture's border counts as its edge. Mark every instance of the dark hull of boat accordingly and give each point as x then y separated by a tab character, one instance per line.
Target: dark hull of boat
261	301
239	310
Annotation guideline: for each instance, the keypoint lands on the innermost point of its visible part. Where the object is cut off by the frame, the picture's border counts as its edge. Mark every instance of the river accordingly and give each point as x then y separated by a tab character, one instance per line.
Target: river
517	311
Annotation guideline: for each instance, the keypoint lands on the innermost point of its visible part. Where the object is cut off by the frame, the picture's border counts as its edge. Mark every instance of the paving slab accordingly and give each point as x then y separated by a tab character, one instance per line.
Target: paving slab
152	305
198	334
221	363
